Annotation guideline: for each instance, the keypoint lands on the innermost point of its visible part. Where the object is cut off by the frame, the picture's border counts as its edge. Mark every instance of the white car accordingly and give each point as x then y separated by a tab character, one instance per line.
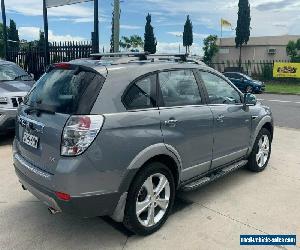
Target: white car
14	86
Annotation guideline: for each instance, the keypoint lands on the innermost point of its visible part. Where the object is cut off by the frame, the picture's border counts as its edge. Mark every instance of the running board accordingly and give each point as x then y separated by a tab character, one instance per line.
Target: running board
214	176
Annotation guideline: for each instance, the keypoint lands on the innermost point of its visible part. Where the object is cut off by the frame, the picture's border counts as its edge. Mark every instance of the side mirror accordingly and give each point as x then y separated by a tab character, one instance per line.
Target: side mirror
242	79
250	99
32	76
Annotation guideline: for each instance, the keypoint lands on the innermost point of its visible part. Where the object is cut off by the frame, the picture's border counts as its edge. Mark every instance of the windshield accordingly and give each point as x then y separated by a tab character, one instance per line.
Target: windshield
66	91
11	72
247	77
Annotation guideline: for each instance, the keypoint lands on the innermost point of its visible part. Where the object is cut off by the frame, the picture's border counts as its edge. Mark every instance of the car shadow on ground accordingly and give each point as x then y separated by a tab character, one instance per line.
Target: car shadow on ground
179	204
6	138
30	215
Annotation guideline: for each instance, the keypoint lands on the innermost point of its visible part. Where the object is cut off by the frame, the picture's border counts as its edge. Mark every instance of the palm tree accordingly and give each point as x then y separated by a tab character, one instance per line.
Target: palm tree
133	42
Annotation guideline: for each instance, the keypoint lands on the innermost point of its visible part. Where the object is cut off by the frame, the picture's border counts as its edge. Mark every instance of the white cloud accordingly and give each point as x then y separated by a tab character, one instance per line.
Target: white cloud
163	47
32	33
130	27
180	34
264	13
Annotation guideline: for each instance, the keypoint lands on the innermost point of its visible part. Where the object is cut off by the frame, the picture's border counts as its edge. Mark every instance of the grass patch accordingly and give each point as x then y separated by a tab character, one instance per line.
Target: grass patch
283	87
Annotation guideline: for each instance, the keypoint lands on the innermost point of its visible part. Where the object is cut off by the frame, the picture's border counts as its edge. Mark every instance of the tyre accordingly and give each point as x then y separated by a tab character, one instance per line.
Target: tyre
261	152
249	89
150	199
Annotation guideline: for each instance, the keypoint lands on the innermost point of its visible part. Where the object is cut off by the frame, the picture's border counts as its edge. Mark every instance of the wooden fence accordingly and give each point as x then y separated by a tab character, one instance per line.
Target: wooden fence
32	58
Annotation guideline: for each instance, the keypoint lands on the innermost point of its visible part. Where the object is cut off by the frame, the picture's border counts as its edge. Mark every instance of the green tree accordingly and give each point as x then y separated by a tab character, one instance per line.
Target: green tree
243	26
1	41
133	42
150	40
188	34
112	44
41	41
292	50
13	35
210	48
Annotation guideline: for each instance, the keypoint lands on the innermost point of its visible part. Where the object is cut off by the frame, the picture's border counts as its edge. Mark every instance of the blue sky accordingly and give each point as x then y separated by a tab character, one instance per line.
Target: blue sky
75	22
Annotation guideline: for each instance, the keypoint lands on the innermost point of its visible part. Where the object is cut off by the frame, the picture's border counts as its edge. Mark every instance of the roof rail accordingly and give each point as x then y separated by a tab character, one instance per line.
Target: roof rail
182	56
140	55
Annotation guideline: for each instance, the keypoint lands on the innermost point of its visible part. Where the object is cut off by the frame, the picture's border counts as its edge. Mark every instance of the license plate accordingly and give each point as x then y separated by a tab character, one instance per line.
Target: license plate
30	140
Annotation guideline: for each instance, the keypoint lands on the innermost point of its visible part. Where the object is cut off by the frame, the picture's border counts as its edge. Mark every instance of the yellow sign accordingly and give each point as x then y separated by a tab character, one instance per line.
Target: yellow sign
291	70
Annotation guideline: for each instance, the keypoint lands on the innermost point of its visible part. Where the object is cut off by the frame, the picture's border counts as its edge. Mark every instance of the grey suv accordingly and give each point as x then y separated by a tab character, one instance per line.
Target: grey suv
120	137
14	86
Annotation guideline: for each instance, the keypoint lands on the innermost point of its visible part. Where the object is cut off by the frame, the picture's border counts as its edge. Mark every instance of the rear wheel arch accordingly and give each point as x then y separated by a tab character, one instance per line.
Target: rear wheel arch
158	152
165	159
169	162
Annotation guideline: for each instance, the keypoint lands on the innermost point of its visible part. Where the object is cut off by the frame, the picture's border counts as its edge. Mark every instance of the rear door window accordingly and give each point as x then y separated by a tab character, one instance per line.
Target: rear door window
141	94
179	88
68	91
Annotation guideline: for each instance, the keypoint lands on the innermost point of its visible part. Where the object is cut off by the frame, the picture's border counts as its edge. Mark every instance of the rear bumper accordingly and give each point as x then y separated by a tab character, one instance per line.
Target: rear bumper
83	206
7	119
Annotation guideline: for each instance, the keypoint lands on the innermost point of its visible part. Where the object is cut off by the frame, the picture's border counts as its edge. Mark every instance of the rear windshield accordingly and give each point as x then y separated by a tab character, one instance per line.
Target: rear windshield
68	91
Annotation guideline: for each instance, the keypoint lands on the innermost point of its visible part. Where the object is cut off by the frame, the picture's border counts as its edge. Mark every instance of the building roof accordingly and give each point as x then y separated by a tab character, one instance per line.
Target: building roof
261	41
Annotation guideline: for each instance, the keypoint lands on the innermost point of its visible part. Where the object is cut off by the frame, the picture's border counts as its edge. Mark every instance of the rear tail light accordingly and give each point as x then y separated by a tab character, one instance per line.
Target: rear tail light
63	196
79	133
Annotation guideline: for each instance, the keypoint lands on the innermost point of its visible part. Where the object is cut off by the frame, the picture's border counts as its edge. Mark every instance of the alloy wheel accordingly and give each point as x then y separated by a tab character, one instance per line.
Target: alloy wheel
263	151
153	200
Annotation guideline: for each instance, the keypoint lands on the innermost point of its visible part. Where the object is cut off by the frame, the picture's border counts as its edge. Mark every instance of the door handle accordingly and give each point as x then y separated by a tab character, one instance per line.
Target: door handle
171	123
220	118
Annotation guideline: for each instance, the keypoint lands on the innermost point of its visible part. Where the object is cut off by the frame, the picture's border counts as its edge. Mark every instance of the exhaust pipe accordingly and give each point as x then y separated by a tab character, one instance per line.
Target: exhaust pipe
53	211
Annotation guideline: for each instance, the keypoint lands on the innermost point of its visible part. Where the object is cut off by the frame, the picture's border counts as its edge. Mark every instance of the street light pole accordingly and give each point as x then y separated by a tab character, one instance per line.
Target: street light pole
179	43
46	47
4	28
96	27
116	35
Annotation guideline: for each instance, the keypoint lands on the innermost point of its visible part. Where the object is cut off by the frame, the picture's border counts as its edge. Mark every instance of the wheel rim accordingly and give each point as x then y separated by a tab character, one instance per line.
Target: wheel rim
263	151
153	200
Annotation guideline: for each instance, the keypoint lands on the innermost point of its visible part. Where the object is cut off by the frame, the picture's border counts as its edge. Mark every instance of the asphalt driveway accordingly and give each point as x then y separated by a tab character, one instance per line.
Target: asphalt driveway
211	218
286	109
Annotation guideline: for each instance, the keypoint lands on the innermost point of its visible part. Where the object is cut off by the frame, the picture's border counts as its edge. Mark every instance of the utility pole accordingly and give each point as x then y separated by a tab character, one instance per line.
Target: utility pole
4	28
46	48
116	25
95	37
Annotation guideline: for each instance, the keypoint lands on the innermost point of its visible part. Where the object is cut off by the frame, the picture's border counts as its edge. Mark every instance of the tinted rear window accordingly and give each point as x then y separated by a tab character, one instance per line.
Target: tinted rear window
71	91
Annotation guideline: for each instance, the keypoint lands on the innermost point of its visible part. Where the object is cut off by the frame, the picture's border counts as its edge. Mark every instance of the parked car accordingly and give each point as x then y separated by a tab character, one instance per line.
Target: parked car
14	85
120	139
245	83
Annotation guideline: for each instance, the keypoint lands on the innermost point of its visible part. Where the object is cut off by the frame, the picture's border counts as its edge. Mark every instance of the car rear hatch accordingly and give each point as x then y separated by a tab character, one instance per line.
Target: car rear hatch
65	90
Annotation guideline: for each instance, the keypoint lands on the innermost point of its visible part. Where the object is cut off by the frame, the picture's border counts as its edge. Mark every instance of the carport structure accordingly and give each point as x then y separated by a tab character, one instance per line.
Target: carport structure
52	4
57	3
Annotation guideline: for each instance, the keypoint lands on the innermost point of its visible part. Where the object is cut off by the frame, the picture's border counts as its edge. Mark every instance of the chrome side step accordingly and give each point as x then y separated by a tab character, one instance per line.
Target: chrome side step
214	176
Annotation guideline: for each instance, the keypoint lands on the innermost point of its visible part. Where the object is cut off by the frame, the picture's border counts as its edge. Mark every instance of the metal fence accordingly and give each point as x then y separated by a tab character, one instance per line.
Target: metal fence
32	58
260	69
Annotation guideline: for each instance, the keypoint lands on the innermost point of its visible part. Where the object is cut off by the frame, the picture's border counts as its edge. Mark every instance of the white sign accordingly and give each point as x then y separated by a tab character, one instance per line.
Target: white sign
56	3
